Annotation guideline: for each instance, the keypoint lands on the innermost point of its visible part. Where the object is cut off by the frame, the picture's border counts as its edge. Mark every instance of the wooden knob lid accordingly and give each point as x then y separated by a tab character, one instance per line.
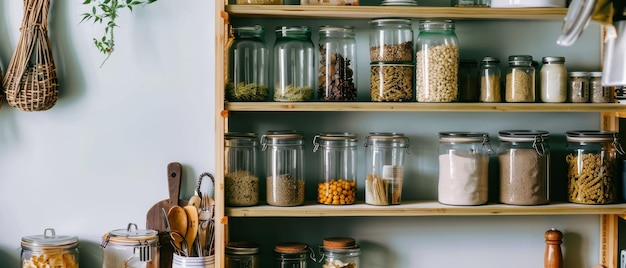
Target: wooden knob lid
338	242
553	257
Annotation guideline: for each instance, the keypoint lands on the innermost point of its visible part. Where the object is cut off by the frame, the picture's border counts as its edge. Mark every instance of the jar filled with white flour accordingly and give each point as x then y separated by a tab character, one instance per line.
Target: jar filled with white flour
463	168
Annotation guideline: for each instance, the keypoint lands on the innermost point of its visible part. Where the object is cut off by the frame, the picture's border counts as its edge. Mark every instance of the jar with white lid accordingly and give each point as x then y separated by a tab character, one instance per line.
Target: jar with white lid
553	79
463	168
337	185
490	80
520	79
437	62
337	64
131	248
384	167
391	40
284	156
294	64
248	65
593	166
578	87
242	255
597	92
241	182
292	255
49	250
339	252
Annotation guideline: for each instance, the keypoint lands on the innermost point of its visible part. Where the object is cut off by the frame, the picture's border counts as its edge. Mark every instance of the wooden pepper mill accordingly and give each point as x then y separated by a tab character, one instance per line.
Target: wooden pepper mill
553	258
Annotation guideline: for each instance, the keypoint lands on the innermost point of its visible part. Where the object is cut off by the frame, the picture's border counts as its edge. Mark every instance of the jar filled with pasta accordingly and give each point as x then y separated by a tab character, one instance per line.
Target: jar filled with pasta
437	62
284	156
241	182
384	161
294	64
248	76
391	82
49	250
339	252
338	168
593	166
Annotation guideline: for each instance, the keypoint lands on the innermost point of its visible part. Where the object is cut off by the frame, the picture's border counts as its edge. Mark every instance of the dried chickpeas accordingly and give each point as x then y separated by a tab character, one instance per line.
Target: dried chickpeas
336	192
437	73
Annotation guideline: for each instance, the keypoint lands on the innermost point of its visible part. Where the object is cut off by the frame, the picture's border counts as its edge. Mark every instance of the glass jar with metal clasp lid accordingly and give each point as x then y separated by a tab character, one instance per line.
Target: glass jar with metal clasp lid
337	185
248	74
284	167
524	158
339	252
49	250
242	255
384	167
131	247
294	64
292	255
241	181
593	166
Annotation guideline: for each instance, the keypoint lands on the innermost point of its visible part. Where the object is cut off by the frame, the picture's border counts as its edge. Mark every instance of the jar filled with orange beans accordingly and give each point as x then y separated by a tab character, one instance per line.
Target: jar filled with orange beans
338	168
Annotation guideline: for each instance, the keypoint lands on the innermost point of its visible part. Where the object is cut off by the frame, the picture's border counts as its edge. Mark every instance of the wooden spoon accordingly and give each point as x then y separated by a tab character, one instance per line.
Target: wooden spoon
177	218
192	227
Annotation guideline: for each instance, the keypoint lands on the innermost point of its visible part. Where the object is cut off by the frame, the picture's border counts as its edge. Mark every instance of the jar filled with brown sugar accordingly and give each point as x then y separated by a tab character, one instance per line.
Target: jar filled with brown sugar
520	79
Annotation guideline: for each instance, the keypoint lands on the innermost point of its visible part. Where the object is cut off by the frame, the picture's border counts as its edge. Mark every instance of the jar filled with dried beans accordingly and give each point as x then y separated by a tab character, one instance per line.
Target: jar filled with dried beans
248	72
384	160
520	79
294	64
285	167
337	64
241	182
391	40
338	168
437	62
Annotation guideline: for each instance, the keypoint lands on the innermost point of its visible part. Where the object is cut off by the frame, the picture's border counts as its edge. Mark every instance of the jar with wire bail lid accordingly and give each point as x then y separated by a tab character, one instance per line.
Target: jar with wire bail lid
464	168
248	72
49	250
241	182
242	255
292	255
593	166
339	252
520	79
130	247
384	167
284	167
337	64
294	64
337	184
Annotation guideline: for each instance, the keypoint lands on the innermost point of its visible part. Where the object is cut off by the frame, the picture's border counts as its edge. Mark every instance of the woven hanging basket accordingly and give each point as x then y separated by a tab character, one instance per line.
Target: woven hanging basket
30	83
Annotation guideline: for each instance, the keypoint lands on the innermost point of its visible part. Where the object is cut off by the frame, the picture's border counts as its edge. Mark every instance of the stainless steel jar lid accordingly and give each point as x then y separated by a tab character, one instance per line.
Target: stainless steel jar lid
523	135
49	239
242	248
460	136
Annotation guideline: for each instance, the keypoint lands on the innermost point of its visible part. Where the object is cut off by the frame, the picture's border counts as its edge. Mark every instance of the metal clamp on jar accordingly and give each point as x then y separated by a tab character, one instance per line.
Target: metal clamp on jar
130	248
59	251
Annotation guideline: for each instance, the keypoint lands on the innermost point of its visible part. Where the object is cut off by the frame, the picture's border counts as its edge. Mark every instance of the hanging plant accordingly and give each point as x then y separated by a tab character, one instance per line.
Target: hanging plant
106	12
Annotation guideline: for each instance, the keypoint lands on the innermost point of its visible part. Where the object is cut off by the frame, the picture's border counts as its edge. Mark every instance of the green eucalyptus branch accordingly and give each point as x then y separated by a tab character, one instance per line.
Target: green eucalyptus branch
106	12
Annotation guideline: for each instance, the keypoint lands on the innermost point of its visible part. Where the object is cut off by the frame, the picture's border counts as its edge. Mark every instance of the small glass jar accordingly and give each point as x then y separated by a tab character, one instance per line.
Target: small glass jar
597	92
437	62
463	168
578	87
248	77
391	82
242	255
338	168
339	252
337	64
294	64
49	250
520	79
131	248
292	255
524	157
468	81
241	183
490	80
284	167
391	40
553	77
593	166
384	164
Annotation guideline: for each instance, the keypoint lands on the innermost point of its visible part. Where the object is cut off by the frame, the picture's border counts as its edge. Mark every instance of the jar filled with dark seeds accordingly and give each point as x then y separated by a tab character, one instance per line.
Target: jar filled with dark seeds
284	167
337	64
391	41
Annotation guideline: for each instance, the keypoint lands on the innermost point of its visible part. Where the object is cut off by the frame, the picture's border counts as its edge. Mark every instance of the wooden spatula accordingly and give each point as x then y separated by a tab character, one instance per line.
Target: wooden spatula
192	227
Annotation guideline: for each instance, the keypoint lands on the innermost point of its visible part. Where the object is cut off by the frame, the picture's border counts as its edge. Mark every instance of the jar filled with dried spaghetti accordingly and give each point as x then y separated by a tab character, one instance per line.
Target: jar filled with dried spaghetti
384	160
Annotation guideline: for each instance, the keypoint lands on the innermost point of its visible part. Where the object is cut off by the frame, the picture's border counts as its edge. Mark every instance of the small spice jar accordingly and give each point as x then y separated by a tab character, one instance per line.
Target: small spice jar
339	252
553	77
384	160
468	81
490	80
463	168
248	77
520	79
337	64
292	255
130	247
49	250
242	255
593	166
437	62
338	168
391	82
524	159
241	183
284	167
597	92
294	64
578	87
391	40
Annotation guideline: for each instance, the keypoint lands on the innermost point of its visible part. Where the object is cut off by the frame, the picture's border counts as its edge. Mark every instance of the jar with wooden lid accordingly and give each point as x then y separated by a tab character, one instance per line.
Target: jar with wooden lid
292	255
337	64
339	252
248	71
490	80
49	250
130	247
578	87
593	166
520	79
241	182
294	64
597	92
242	255
284	156
384	167
337	185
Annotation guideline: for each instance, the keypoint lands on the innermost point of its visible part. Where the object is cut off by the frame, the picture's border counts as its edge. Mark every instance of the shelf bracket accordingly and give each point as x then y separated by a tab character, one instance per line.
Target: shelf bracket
608	240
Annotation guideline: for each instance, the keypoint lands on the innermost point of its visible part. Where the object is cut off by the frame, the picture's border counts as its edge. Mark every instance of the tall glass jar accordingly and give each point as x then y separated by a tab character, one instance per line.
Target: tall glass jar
130	248
597	92
248	70
294	64
285	167
338	168
468	81
391	41
292	255
593	166
337	252
520	79
384	167
337	64
242	255
49	249
578	87
463	168
490	80
553	77
524	157
241	183
437	62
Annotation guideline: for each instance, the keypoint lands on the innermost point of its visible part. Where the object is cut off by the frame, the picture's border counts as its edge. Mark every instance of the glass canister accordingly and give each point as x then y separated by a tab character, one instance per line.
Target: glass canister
284	167
338	168
242	255
578	87
593	166
524	159
391	40
597	92
553	77
391	82
384	163
49	250
292	255
464	168
490	80
248	77
241	183
520	79
130	248
339	252
337	64
294	64
437	62
468	81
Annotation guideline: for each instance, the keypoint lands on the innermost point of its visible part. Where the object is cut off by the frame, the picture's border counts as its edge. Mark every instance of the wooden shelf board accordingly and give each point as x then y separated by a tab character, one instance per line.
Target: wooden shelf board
422	208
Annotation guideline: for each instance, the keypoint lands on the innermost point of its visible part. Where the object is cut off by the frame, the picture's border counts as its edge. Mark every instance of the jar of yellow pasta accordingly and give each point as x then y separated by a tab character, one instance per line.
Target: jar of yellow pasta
49	250
592	166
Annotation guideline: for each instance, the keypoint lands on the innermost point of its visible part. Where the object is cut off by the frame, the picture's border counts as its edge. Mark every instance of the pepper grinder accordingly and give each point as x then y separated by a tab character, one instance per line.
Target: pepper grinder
553	257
